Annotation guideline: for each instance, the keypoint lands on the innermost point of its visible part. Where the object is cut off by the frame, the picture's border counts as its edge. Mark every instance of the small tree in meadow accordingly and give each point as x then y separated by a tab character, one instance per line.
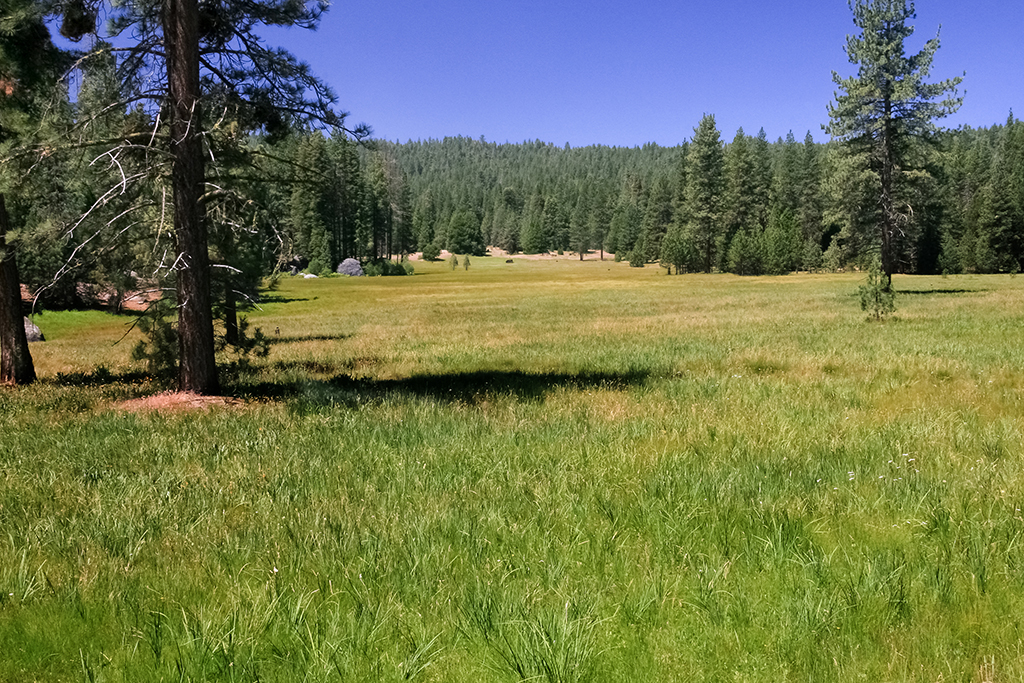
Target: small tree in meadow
876	295
453	262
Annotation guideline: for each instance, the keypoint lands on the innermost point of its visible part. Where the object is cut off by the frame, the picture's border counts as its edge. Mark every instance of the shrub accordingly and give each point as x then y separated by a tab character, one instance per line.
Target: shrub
453	262
876	295
158	348
431	252
384	267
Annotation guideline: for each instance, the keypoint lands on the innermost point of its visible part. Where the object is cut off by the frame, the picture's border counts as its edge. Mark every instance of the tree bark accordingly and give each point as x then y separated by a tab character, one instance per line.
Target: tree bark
197	368
887	171
15	360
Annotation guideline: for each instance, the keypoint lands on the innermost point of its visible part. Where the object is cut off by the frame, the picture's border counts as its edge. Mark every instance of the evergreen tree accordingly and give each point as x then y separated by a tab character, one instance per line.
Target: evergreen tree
886	105
704	193
312	207
675	249
787	176
556	224
624	230
656	221
741	211
579	227
533	236
810	204
464	233
28	66
761	166
206	59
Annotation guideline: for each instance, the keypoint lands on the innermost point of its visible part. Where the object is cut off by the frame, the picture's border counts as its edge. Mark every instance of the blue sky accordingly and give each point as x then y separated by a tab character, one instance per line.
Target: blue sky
627	73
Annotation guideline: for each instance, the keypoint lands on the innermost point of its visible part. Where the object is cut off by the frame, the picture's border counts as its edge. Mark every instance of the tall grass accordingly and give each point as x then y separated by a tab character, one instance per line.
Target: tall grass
537	471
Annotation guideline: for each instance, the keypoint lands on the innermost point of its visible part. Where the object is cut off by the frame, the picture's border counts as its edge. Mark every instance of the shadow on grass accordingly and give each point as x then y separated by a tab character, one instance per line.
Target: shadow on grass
343	389
280	299
469	387
924	292
101	376
295	338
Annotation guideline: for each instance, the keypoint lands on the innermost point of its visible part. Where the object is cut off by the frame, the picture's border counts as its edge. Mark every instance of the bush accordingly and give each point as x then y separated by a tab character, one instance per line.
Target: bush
465	262
384	267
431	252
453	262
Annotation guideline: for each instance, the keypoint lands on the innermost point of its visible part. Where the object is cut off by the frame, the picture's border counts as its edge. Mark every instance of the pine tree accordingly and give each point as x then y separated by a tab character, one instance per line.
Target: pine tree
656	221
741	196
533	237
810	204
704	193
29	64
210	66
579	228
886	105
464	233
311	203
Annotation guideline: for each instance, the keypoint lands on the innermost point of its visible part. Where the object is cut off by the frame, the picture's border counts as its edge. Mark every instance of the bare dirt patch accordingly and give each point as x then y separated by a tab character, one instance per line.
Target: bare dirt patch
177	402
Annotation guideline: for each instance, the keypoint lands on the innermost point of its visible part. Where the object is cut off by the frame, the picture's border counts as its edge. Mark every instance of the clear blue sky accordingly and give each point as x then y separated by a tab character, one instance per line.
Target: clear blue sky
627	73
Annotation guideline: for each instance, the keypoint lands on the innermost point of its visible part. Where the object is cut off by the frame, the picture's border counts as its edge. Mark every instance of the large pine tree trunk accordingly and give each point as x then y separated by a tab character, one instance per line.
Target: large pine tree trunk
15	360
197	368
887	201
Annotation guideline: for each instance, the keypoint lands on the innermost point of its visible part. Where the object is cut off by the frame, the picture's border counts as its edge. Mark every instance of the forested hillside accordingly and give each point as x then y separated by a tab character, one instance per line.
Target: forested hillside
774	206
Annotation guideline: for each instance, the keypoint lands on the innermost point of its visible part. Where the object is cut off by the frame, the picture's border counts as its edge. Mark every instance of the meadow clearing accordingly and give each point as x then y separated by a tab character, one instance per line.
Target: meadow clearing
545	471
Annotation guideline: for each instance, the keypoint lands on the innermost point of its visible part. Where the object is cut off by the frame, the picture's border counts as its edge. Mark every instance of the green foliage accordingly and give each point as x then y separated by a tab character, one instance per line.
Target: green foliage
453	262
464	234
245	347
386	267
432	251
876	294
465	262
746	254
884	108
705	193
158	348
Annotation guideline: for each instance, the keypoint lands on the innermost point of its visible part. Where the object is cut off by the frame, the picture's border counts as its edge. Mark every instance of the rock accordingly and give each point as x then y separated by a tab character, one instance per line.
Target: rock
509	261
350	266
310	276
33	333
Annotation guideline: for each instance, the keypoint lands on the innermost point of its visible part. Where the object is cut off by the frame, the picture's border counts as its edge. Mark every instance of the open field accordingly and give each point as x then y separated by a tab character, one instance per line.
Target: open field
543	470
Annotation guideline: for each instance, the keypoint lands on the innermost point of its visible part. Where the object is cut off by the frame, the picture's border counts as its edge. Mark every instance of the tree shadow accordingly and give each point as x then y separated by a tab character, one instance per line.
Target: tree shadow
101	376
469	388
927	292
280	299
275	338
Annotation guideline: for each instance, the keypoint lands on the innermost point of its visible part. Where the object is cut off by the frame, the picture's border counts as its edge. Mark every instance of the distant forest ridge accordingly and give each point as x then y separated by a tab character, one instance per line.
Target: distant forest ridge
782	206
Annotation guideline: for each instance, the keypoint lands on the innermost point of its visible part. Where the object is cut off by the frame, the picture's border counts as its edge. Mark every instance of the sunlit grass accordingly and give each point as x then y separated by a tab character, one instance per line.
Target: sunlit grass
534	471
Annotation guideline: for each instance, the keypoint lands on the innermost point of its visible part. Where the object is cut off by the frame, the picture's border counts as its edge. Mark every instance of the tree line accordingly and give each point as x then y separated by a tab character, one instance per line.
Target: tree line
747	206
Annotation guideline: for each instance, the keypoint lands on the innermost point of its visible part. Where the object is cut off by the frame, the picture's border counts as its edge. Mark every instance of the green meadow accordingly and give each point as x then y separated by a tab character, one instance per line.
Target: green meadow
540	471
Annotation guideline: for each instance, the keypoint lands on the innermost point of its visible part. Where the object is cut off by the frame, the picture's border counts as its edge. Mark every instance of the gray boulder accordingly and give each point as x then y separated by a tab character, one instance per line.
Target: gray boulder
33	333
350	266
